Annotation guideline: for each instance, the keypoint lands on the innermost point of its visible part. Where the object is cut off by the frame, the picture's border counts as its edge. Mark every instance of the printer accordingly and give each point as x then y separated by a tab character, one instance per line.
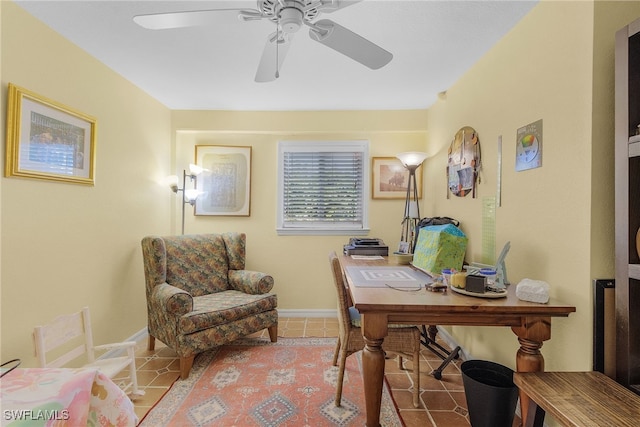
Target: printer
368	246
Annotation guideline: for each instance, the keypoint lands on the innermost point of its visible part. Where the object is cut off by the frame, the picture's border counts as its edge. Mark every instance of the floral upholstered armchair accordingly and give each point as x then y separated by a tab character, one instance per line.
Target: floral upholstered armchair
199	295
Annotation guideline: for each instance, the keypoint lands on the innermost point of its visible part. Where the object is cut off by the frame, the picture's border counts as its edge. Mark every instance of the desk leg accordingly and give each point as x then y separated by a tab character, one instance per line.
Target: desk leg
531	334
374	329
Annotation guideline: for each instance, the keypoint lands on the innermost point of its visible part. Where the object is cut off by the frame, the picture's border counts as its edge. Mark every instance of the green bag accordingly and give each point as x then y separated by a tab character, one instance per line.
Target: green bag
438	247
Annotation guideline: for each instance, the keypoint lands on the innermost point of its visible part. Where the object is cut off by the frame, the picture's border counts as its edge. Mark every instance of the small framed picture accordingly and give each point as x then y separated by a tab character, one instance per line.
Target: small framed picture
403	248
390	179
225	182
47	140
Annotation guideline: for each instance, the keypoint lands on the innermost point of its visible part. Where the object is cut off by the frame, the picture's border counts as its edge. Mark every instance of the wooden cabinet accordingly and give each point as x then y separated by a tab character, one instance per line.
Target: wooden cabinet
627	205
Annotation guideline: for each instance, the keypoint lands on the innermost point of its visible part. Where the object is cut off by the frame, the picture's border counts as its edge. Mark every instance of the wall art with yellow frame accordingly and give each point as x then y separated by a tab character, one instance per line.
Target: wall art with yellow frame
47	140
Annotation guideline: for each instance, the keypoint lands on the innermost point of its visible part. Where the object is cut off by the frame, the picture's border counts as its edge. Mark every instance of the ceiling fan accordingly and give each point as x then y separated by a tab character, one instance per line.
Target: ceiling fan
289	16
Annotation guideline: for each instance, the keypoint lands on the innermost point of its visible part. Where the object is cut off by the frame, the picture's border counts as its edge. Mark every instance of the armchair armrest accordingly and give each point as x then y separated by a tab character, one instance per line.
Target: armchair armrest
172	300
250	282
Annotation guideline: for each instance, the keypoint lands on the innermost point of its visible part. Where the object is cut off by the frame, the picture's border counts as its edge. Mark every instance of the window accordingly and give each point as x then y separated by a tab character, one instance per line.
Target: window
322	186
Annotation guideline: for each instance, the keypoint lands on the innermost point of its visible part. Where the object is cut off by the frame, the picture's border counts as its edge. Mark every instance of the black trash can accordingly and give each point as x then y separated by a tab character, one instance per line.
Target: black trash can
491	394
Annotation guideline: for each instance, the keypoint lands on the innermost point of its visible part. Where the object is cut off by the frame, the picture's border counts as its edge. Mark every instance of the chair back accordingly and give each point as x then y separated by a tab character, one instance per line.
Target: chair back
344	300
198	264
63	332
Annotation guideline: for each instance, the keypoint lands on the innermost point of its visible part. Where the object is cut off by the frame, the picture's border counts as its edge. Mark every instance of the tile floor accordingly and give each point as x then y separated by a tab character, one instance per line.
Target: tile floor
443	402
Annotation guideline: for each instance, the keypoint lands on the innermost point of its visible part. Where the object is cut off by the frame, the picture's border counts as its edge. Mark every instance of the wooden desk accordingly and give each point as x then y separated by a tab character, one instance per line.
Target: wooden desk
589	399
380	306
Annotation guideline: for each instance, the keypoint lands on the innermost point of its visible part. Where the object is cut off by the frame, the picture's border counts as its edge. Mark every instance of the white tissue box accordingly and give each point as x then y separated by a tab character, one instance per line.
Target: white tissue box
533	290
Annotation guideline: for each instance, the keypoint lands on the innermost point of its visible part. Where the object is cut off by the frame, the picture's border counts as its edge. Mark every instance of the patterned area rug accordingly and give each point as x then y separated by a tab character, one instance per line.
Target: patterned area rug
253	382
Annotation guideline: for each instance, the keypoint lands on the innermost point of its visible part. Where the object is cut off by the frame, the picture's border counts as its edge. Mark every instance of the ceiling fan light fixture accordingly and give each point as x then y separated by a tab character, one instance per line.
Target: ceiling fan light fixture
290	19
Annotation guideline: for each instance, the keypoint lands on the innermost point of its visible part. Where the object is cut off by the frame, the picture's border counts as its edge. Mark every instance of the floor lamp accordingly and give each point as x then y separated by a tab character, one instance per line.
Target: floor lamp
188	195
412	161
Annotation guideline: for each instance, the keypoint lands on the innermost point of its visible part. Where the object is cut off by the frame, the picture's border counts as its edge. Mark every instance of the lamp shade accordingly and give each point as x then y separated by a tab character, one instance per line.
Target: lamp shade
412	158
195	169
192	194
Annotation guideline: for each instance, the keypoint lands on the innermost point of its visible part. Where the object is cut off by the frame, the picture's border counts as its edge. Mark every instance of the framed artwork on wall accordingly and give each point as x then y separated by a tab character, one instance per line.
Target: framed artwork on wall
390	179
47	140
226	181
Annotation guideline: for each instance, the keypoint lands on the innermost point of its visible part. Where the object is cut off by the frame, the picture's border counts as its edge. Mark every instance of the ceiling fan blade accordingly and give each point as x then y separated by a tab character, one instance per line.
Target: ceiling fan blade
273	57
349	43
165	21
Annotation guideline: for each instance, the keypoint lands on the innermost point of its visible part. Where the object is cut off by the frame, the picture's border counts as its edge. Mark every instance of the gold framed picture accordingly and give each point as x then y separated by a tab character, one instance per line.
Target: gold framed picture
47	140
225	182
390	179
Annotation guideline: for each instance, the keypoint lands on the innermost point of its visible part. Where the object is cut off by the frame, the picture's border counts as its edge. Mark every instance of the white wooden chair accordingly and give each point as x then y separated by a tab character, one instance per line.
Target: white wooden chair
63	329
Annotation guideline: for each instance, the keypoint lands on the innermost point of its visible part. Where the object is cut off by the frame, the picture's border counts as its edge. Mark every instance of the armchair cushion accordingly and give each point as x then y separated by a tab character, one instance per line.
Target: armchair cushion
221	308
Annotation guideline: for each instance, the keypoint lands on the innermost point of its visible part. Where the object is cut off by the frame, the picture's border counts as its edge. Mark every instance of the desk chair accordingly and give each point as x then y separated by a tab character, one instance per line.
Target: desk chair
64	330
402	339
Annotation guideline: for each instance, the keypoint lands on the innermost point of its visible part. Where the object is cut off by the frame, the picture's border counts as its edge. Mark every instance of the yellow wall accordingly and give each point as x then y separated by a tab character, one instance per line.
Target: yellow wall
298	264
65	246
556	67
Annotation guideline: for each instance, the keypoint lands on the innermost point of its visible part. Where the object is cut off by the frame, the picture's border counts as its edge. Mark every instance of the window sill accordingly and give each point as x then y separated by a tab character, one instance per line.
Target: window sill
322	232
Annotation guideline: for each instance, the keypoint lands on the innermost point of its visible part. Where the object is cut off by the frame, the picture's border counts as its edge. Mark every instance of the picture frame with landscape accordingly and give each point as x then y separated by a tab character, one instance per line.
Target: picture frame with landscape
390	179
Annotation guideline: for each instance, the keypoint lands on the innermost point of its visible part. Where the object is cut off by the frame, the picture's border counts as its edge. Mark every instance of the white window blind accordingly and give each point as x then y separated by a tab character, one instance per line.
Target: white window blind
322	187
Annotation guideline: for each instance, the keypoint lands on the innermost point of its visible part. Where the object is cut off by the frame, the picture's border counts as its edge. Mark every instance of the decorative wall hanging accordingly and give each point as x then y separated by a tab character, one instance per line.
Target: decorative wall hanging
464	163
390	179
529	146
47	140
225	182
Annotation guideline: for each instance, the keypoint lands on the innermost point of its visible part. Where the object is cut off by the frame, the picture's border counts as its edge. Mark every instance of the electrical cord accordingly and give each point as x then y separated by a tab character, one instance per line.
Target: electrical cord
404	289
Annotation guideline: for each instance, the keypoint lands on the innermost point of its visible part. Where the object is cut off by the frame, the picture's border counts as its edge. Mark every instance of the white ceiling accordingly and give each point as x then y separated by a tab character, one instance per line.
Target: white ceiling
213	67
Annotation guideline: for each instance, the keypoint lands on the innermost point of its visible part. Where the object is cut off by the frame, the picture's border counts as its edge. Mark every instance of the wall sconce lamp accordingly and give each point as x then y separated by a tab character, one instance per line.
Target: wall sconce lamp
412	161
188	195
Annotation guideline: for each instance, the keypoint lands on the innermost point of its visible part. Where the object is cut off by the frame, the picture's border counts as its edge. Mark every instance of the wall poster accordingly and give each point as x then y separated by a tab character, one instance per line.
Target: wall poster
529	146
225	182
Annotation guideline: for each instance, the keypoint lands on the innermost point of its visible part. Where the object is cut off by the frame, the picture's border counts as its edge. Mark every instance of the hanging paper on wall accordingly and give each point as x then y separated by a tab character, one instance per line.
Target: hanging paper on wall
529	146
